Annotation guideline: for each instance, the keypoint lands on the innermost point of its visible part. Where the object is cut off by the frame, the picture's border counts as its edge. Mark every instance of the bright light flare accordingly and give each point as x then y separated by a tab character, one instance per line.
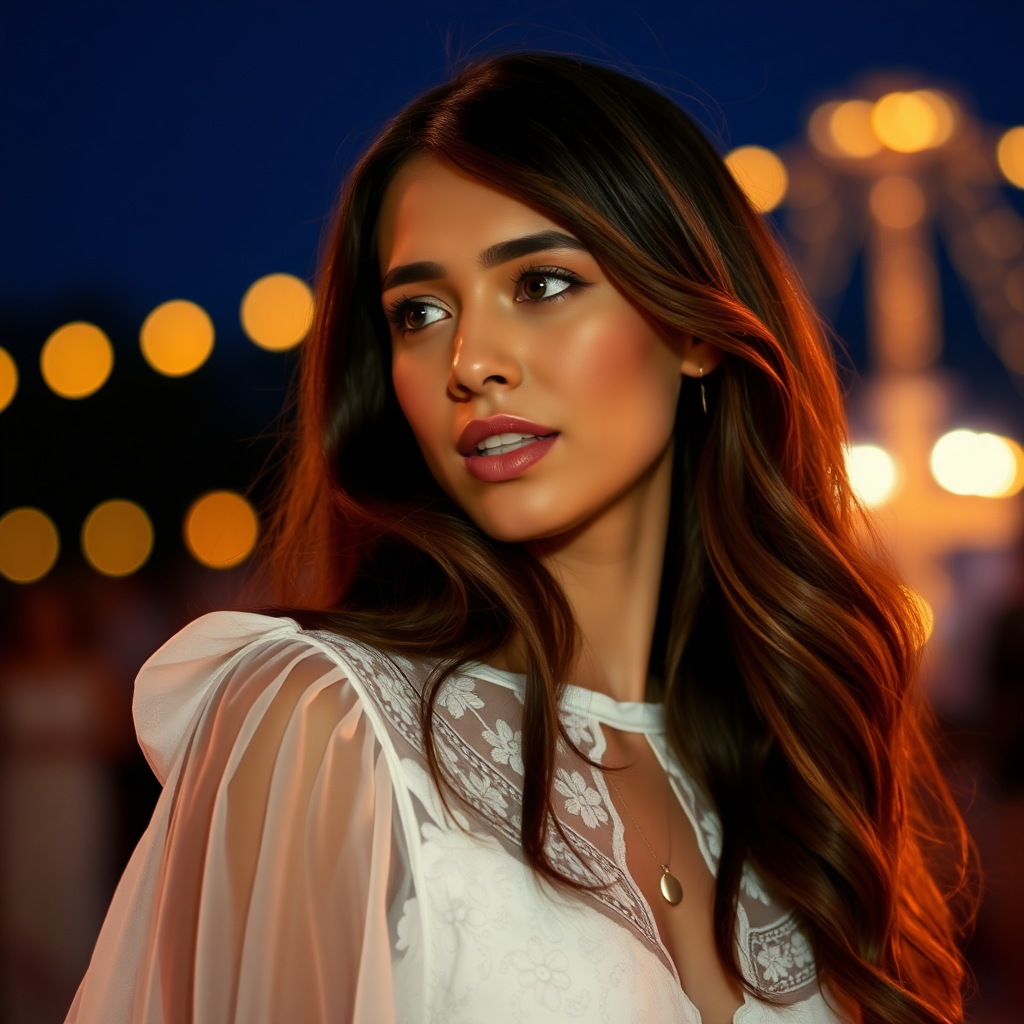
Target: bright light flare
176	338
872	473
117	538
761	175
277	312
76	360
1010	155
29	545
221	529
987	465
8	379
906	122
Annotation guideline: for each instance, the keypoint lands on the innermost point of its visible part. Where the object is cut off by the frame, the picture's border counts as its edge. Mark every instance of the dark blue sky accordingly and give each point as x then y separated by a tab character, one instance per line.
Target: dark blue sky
154	150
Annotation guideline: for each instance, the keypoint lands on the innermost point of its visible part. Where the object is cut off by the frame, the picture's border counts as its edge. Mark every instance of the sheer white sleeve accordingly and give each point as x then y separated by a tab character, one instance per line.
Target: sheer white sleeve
271	844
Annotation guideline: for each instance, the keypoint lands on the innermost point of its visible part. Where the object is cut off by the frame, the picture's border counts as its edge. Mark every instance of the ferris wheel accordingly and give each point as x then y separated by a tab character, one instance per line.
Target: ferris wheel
888	173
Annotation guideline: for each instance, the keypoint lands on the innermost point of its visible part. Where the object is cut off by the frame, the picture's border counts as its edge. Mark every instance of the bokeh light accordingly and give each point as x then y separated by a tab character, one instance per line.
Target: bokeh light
897	201
964	462
76	360
8	379
761	175
1010	154
851	129
176	338
221	529
29	545
872	473
945	111
277	311
117	538
926	613
905	122
1016	485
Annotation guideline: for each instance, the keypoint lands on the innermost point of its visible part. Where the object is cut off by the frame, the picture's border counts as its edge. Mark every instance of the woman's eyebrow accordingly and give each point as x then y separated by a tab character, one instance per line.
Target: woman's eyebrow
517	248
492	256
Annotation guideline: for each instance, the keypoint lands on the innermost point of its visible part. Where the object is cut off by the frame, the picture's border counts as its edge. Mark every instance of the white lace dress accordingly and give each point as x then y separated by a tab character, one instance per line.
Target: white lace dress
299	866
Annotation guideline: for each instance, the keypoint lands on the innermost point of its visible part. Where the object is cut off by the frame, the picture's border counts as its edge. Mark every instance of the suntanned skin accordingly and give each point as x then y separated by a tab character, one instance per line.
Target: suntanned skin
595	509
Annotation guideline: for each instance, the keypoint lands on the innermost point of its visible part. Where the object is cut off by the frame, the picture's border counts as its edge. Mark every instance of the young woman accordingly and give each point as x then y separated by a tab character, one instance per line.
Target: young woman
599	708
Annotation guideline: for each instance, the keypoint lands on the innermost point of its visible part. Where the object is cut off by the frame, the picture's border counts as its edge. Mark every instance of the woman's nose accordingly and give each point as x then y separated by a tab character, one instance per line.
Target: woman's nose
484	357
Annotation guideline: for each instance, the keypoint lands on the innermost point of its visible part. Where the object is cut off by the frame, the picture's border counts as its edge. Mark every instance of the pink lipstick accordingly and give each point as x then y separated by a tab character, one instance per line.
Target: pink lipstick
503	447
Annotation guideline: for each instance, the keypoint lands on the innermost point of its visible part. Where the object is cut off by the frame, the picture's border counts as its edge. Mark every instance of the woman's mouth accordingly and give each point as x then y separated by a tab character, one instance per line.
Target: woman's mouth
503	447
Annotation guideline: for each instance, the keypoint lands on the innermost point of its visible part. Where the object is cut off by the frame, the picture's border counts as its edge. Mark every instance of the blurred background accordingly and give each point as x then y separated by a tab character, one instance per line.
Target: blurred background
166	173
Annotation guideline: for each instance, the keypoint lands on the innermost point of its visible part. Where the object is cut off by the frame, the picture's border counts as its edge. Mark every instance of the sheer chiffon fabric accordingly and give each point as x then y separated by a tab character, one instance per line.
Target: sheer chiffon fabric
300	865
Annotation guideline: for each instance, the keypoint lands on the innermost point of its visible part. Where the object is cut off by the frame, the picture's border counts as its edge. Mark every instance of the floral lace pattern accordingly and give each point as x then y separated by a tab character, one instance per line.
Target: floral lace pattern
782	957
473	900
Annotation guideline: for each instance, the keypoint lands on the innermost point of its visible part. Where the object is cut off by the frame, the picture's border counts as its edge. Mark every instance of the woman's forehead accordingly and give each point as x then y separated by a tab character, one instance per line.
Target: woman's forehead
434	211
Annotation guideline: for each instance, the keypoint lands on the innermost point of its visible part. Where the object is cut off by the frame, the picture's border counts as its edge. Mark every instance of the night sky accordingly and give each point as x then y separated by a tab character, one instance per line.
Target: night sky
157	151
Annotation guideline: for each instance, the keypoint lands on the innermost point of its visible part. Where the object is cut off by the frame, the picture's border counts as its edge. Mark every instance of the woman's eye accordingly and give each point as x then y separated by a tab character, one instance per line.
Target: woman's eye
536	287
417	315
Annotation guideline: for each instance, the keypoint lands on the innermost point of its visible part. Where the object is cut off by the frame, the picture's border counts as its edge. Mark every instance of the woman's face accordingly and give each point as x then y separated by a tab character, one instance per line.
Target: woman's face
538	394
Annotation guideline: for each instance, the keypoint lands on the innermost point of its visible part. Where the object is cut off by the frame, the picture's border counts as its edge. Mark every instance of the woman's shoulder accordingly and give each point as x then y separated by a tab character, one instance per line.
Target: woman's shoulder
221	654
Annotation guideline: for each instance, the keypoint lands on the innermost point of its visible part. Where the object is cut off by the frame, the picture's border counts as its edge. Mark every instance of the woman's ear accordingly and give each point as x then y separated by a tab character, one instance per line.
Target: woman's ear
699	357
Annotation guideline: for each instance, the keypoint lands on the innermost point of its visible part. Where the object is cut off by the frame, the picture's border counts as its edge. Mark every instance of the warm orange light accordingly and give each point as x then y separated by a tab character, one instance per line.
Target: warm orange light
177	338
850	127
277	311
28	545
761	175
117	538
221	529
819	128
1010	155
905	122
8	379
945	111
76	360
925	612
897	202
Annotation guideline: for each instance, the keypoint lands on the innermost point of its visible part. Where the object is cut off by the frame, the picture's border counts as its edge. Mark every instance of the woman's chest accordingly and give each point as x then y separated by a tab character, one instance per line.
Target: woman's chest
499	945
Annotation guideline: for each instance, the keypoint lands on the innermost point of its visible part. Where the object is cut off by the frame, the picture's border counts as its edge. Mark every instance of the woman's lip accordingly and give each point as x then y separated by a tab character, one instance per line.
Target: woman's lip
493	469
476	430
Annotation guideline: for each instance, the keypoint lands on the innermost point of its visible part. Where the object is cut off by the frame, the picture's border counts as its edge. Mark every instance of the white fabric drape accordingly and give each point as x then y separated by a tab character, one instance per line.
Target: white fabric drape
260	890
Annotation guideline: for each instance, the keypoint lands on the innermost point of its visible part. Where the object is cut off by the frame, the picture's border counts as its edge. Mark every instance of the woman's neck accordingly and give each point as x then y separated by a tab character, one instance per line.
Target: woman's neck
610	570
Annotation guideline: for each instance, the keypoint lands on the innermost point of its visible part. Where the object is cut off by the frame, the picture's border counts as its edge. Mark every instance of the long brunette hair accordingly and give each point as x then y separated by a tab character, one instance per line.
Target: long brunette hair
785	651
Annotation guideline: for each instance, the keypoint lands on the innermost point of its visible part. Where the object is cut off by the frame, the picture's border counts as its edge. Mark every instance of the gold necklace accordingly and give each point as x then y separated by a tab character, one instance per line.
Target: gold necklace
671	889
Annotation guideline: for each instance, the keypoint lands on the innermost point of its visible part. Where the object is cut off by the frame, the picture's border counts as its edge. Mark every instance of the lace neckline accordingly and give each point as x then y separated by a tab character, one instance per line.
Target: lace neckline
629	716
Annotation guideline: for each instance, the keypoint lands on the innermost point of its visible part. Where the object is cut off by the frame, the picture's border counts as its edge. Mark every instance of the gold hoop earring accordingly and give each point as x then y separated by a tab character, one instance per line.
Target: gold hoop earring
703	395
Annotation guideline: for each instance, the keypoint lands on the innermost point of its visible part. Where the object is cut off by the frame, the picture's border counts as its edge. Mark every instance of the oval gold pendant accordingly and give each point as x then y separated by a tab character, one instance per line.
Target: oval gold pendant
671	889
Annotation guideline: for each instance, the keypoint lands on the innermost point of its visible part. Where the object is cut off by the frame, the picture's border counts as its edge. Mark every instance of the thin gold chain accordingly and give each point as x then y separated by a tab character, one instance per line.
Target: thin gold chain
663	866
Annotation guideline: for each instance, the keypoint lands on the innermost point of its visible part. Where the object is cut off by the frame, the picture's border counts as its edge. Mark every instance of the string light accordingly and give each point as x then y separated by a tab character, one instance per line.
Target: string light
761	175
221	529
277	312
8	379
76	360
29	545
177	338
117	538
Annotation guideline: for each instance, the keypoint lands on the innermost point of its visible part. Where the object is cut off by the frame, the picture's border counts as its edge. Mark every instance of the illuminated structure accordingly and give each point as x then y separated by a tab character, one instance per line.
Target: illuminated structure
882	172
